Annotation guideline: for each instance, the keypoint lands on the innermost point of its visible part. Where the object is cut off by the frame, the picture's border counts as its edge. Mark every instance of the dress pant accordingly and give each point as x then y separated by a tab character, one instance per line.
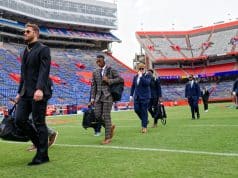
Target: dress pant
193	103
37	132
153	108
102	111
141	107
205	104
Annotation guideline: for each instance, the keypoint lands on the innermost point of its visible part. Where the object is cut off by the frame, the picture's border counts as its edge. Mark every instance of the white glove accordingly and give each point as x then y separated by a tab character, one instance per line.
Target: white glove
234	93
131	98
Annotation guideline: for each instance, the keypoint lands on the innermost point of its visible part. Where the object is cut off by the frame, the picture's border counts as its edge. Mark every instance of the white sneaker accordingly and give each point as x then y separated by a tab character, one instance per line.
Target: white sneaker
97	134
206	110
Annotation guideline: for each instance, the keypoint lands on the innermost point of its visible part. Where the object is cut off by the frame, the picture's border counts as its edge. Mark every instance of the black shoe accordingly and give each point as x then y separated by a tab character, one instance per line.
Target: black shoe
193	117
198	116
39	161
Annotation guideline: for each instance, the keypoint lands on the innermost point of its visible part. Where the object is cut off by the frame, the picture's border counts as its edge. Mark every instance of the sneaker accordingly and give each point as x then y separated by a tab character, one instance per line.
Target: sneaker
206	110
97	134
52	139
31	148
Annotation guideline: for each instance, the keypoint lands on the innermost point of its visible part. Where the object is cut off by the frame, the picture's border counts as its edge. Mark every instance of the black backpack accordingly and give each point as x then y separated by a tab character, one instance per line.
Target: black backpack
116	89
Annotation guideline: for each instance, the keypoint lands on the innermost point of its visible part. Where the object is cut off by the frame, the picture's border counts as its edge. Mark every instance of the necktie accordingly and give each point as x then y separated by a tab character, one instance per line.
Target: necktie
100	72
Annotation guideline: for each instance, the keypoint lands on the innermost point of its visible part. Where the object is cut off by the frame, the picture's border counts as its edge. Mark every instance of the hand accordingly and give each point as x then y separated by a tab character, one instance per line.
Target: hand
131	98
105	79
140	73
149	73
91	102
234	93
38	95
160	99
17	98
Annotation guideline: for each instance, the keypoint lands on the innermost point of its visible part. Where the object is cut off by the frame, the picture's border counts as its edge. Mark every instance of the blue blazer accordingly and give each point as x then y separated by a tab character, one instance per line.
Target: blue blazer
142	90
192	92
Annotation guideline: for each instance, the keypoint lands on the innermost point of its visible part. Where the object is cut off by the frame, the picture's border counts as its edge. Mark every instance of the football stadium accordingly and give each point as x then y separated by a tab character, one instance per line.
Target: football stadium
77	31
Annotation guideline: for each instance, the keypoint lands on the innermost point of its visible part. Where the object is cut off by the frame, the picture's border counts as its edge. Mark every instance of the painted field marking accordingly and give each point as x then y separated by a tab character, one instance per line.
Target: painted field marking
141	149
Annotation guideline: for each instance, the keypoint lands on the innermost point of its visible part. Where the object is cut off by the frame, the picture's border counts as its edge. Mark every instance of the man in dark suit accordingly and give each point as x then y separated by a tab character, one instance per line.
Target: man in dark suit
33	93
156	94
235	92
103	77
192	92
205	96
140	92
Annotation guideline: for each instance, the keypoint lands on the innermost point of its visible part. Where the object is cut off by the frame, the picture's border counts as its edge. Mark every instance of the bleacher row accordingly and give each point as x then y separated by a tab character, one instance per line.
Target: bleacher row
208	71
60	32
71	71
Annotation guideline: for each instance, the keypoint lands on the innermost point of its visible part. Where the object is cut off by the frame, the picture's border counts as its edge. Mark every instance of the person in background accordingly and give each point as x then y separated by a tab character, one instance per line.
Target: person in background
156	95
101	97
192	93
235	92
141	94
205	93
34	91
52	136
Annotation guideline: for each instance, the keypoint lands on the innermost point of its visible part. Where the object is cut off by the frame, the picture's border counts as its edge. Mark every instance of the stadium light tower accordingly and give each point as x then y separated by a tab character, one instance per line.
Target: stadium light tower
229	16
173	26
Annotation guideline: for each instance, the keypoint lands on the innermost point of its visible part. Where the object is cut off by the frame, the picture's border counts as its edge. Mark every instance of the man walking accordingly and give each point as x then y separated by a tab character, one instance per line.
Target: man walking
156	95
101	96
235	92
33	93
192	92
140	92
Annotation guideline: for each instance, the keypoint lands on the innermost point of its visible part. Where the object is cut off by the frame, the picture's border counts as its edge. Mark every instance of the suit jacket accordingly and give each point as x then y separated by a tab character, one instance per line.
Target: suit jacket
192	92
205	94
235	87
155	88
142	90
35	69
100	90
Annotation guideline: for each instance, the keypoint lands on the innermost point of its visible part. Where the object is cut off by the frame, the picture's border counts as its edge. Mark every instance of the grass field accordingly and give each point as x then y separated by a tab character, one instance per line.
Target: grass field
207	147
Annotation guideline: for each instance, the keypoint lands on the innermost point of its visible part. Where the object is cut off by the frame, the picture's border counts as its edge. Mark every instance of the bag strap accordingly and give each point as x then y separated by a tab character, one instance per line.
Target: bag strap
109	72
12	109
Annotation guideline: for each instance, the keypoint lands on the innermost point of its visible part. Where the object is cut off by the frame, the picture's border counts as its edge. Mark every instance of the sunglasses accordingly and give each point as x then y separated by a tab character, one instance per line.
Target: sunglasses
27	31
141	68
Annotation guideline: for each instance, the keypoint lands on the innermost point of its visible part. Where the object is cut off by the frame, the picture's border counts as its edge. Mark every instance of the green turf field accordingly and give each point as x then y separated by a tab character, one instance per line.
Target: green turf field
207	147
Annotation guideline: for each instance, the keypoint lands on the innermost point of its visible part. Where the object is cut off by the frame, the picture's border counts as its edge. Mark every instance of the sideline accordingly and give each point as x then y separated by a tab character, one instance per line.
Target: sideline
140	149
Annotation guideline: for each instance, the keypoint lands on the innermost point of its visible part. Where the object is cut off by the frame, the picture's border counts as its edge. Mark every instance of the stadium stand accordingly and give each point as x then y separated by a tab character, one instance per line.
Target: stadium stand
218	40
71	83
78	31
209	53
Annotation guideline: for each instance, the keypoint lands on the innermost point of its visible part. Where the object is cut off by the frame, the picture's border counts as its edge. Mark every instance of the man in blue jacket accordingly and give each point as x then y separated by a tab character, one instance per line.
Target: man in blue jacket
140	92
192	92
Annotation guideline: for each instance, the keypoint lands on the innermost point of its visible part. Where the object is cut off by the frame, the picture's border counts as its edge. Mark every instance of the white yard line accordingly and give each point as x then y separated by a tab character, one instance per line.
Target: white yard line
141	149
212	125
124	126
